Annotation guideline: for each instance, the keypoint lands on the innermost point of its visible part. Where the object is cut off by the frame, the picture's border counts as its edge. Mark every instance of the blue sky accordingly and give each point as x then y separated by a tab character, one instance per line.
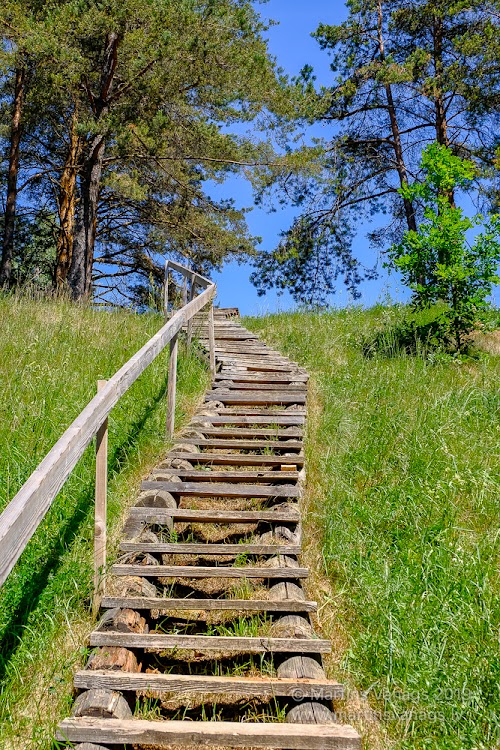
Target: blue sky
291	43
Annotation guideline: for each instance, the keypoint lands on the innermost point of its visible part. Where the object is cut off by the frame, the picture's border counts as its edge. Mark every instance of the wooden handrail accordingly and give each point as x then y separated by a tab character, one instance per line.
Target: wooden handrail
23	514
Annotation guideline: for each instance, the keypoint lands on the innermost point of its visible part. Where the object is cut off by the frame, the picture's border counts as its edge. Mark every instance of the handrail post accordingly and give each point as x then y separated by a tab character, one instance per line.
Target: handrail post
191	296
211	339
101	491
172	385
165	293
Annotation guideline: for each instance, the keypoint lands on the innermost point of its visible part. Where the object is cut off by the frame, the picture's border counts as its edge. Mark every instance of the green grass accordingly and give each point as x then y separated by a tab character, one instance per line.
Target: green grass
51	356
405	481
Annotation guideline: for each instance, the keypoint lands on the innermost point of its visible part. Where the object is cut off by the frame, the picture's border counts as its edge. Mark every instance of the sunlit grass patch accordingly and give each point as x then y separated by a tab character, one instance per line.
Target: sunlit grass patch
405	463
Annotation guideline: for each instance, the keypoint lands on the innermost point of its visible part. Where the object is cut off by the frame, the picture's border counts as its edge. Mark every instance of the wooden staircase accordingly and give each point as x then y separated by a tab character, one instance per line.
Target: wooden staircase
205	613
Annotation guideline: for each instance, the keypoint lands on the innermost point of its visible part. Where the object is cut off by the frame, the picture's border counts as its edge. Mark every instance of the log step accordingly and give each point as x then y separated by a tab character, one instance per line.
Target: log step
243	605
180	683
163	515
234	419
229	476
186	548
248	411
295	445
210	734
263	377
255	397
207	571
243	432
247	645
239	459
213	489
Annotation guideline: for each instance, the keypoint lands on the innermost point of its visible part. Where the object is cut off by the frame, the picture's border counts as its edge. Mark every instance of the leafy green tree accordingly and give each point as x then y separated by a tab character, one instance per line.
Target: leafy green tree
452	270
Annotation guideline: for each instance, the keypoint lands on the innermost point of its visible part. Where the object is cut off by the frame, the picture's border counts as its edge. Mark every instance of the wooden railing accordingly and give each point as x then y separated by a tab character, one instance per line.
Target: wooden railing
23	514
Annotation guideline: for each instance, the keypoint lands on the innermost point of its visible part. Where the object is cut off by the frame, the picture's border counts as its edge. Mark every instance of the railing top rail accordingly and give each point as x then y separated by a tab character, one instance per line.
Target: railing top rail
23	514
195	277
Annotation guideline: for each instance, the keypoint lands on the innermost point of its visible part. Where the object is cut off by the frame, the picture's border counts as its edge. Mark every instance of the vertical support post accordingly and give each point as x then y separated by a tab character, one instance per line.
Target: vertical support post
101	491
172	386
165	293
191	295
211	339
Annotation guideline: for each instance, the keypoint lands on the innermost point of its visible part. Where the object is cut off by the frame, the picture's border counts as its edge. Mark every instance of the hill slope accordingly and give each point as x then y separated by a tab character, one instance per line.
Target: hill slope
403	481
51	356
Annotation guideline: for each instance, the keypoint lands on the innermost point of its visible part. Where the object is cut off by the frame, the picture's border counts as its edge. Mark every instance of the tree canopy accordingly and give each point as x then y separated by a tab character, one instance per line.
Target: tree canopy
116	117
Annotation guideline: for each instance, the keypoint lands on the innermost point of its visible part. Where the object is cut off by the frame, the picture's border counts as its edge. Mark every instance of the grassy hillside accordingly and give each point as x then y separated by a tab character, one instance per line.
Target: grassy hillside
51	355
403	487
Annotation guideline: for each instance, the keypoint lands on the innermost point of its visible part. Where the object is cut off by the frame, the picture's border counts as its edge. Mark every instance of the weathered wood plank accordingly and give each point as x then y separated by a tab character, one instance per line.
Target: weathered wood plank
290	420
209	489
255	397
215	515
198	571
211	734
242	432
248	645
189	548
239	459
243	605
180	683
294	445
258	386
248	411
192	475
263	377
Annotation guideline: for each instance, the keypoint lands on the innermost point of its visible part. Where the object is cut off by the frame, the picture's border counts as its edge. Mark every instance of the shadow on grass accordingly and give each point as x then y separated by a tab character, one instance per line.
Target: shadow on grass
34	587
407	337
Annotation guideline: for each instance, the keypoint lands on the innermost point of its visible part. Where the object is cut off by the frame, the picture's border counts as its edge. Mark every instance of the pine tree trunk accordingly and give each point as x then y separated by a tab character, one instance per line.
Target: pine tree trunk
67	207
12	177
396	137
82	261
80	273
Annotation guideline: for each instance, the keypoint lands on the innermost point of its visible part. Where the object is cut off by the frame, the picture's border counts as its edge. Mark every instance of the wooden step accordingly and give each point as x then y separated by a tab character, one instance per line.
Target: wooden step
188	548
247	411
261	366
238	605
214	489
182	683
255	397
244	432
207	571
280	387
239	459
292	445
270	378
215	515
210	734
232	418
192	475
247	645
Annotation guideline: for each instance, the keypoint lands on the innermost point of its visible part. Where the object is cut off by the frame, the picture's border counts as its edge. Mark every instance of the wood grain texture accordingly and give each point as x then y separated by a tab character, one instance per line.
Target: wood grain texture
211	734
213	516
243	605
188	548
206	571
179	683
214	489
239	459
248	645
212	475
